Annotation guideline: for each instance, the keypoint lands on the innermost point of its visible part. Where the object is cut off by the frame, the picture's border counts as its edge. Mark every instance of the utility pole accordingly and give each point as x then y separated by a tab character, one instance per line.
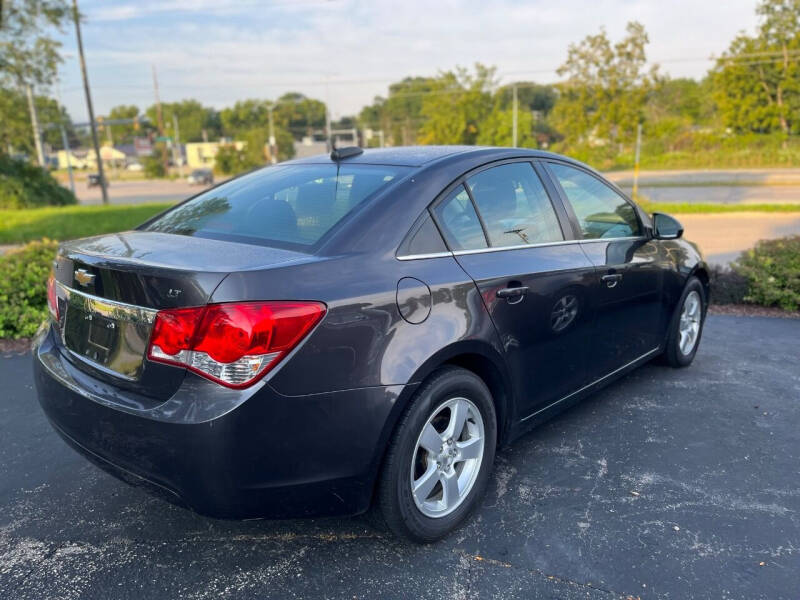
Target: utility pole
93	125
514	119
328	140
160	116
65	143
177	154
636	161
272	141
37	135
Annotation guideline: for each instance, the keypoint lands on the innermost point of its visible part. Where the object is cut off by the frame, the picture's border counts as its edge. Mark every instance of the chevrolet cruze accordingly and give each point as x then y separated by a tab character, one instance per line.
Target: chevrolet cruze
360	329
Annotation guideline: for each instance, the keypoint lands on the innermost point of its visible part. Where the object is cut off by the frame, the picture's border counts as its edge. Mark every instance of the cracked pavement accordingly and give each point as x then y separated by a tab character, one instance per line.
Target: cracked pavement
668	484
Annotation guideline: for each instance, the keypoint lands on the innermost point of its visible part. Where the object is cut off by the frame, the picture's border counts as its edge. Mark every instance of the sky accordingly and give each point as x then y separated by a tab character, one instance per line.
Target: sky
345	52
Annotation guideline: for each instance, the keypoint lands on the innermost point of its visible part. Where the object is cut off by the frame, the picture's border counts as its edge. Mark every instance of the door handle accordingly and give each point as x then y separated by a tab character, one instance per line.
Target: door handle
612	279
513	292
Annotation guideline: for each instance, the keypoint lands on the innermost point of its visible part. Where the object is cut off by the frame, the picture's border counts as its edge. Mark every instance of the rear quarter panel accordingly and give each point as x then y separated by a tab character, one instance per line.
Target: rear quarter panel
363	340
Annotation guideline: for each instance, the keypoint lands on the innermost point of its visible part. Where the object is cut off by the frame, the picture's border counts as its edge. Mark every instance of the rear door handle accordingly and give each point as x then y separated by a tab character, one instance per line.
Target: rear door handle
513	292
612	279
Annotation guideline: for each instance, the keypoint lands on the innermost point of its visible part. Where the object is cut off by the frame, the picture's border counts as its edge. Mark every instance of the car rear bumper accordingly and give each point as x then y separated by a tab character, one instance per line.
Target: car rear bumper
264	455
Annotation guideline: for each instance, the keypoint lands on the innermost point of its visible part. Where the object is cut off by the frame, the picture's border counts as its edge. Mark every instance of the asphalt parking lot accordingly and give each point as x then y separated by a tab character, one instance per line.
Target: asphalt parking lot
668	484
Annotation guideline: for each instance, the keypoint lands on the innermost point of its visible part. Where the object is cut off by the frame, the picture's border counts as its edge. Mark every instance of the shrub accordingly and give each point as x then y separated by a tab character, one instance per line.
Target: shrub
154	165
23	288
23	185
727	286
772	270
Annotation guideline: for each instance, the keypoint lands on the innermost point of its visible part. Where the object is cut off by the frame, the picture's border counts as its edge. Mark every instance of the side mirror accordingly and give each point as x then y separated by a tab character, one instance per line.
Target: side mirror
666	227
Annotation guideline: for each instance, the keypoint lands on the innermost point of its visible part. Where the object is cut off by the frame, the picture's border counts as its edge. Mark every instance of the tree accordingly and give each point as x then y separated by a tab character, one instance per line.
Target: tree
497	128
299	115
28	52
530	96
606	87
193	119
399	115
15	124
456	107
124	134
757	81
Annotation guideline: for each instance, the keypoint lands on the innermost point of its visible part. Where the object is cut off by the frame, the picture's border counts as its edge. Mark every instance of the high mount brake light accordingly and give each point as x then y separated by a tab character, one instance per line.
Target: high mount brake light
233	344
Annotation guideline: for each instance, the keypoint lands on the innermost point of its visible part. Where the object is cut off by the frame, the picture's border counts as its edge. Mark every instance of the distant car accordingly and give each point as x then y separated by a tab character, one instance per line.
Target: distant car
201	177
135	167
93	180
365	328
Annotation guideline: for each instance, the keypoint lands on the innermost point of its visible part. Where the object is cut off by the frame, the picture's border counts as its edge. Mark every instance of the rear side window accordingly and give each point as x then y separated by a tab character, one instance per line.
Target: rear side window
459	222
601	212
291	204
515	206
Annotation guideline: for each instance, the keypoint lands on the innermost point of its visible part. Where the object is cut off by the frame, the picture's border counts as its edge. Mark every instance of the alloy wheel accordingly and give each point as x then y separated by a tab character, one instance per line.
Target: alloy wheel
447	457
689	325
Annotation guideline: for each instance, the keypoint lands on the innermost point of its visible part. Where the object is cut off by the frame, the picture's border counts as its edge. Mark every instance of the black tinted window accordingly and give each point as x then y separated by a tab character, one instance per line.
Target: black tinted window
601	212
294	204
424	240
515	206
459	222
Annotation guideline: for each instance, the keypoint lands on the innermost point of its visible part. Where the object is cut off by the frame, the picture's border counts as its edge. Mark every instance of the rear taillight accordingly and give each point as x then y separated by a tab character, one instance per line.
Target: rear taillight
52	297
232	344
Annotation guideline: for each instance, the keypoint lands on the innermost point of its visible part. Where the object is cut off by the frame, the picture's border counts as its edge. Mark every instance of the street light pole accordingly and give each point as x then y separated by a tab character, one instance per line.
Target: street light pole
76	16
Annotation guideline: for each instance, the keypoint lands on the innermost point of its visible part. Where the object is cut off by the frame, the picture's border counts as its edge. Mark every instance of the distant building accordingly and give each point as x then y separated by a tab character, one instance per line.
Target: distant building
309	147
202	155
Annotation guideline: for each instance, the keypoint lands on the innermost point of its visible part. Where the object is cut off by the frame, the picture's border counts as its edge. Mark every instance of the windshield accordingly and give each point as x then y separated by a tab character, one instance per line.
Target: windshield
293	205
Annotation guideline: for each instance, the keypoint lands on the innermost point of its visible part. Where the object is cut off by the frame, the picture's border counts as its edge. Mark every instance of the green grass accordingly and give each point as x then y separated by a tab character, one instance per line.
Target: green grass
686	207
70	222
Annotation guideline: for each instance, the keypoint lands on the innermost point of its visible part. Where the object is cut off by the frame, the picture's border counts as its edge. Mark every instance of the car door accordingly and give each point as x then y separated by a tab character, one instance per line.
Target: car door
518	247
628	278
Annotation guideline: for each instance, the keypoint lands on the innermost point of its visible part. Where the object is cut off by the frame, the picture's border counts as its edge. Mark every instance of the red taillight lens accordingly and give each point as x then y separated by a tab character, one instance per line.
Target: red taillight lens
52	297
232	344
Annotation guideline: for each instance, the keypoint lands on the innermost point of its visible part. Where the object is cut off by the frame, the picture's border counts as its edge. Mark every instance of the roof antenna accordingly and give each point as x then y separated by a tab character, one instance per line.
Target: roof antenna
346	152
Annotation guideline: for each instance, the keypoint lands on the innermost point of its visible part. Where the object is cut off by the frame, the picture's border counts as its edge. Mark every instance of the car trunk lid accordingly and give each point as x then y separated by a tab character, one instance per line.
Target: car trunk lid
110	288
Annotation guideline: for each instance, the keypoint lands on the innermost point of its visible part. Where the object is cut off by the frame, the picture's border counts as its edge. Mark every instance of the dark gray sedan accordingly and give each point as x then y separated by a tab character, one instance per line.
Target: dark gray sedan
361	329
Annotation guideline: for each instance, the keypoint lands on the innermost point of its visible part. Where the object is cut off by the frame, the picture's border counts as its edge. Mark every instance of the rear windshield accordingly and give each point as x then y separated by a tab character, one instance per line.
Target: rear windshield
292	205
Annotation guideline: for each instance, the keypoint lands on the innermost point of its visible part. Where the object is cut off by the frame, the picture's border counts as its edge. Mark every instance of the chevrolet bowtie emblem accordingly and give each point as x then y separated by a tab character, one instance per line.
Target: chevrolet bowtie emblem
83	277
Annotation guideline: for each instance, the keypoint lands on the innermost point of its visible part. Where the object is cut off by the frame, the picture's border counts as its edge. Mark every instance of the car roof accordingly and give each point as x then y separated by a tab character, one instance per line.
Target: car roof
419	156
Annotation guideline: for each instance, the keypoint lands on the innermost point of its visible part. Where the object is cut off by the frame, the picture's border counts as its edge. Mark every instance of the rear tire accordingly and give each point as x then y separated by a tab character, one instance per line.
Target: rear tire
686	327
440	457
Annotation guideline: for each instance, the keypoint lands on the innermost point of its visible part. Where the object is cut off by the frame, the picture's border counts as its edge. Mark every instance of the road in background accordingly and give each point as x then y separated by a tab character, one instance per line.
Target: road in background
139	191
668	484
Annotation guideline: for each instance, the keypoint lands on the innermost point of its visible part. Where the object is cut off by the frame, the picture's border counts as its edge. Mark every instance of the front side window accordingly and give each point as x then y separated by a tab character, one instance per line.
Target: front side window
293	205
601	212
514	206
459	222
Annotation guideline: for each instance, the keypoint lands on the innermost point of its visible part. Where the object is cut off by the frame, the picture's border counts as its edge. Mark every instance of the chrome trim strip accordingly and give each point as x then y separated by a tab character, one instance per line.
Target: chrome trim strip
587	386
421	256
616	239
517	247
129	312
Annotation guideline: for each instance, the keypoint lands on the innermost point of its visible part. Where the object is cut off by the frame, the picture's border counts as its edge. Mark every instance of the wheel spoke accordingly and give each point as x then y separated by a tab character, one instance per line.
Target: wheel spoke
450	489
431	440
458	416
470	449
423	486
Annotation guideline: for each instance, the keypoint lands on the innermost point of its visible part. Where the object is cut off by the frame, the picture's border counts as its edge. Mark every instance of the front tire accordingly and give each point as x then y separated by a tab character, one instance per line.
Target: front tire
686	327
440	457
